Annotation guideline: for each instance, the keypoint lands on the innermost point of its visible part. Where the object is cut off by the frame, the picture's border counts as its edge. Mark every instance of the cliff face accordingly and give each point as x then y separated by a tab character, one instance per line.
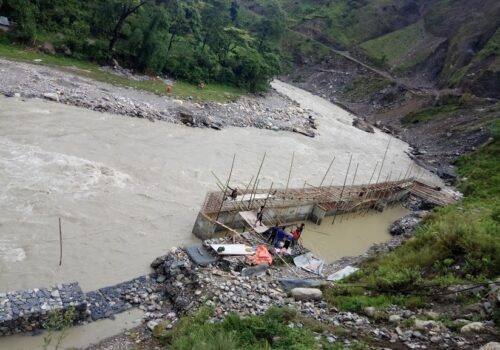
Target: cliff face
439	43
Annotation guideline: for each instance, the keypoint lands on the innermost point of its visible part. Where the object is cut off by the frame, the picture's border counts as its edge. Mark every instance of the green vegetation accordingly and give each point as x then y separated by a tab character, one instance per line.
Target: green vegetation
458	243
269	331
57	327
196	41
211	92
429	113
355	299
391	48
361	88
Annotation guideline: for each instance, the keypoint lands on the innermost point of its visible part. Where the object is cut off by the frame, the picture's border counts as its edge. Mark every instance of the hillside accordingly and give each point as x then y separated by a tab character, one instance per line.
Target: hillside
425	69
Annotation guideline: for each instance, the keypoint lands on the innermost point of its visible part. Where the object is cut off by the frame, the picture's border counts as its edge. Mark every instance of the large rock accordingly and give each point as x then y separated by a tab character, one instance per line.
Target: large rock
48	48
363	125
473	327
304	132
51	96
307	294
187	115
394	318
490	346
426	325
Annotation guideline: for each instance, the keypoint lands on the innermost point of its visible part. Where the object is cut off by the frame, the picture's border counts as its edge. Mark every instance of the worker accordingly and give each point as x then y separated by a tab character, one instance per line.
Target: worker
296	236
234	193
301	227
260	215
288	240
272	235
280	236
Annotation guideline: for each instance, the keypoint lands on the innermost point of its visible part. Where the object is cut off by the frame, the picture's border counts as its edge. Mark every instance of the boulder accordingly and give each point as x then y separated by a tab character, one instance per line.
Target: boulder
363	125
307	294
394	318
369	311
254	270
303	132
186	115
162	330
47	48
473	327
51	96
426	325
490	346
152	324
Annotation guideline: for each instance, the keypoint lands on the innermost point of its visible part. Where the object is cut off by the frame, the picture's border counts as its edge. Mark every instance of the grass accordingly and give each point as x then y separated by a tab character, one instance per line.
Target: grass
458	243
392	47
429	113
211	92
362	88
278	328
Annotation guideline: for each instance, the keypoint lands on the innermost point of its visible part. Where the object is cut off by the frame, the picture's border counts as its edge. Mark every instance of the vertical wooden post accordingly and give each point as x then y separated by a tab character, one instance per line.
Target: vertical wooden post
225	188
257	178
289	175
350	189
60	243
342	191
383	159
327	171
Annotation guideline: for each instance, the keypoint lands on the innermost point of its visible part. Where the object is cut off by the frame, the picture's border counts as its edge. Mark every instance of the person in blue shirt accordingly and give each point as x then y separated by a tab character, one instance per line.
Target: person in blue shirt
272	235
280	236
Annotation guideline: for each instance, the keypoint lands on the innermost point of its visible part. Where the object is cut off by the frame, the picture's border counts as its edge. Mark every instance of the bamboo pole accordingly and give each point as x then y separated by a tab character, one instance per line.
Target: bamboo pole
350	189
327	171
257	178
289	175
383	159
60	243
368	194
342	191
246	190
225	188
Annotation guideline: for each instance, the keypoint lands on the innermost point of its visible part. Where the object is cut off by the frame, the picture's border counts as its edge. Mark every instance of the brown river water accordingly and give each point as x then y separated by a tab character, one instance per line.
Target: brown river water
127	189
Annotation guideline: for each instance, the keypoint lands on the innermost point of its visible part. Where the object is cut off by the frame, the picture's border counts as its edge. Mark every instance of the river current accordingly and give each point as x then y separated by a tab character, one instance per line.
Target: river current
127	190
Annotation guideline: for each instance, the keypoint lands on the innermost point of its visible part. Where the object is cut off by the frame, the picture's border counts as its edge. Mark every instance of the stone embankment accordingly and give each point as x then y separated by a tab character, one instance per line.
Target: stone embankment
28	310
273	111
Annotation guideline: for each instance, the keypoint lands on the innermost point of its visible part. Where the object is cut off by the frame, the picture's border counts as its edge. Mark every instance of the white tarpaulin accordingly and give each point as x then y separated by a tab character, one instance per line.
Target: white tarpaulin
309	263
346	271
233	249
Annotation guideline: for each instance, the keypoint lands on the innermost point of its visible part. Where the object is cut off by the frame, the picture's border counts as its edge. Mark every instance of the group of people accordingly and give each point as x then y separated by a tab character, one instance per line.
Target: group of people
279	238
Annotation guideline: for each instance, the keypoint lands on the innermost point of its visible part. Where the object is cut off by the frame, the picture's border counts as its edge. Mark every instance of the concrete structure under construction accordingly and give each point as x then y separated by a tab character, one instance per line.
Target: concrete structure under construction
314	203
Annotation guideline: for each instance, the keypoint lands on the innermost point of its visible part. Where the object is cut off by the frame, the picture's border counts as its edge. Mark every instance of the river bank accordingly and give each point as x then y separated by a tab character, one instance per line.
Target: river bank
117	183
272	111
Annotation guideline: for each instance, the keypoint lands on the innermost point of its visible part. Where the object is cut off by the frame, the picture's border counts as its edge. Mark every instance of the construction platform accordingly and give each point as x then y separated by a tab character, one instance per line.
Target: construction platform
219	213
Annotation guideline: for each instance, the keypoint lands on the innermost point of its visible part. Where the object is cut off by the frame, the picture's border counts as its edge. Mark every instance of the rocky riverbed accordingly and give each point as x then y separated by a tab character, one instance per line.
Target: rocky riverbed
272	111
226	287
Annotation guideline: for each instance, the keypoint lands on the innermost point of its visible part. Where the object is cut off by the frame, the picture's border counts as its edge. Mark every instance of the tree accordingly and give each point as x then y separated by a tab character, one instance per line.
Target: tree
24	13
233	11
184	19
116	12
271	26
214	18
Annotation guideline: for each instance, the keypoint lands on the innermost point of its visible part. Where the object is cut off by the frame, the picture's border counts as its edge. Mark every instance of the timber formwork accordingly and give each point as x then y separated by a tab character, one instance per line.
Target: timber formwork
328	197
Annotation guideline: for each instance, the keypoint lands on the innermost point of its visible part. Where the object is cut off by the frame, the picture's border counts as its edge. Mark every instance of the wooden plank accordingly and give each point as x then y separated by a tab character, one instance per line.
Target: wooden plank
251	217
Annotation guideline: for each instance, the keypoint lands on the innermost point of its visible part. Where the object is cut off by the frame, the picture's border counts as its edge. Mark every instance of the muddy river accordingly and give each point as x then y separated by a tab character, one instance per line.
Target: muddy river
127	190
351	234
